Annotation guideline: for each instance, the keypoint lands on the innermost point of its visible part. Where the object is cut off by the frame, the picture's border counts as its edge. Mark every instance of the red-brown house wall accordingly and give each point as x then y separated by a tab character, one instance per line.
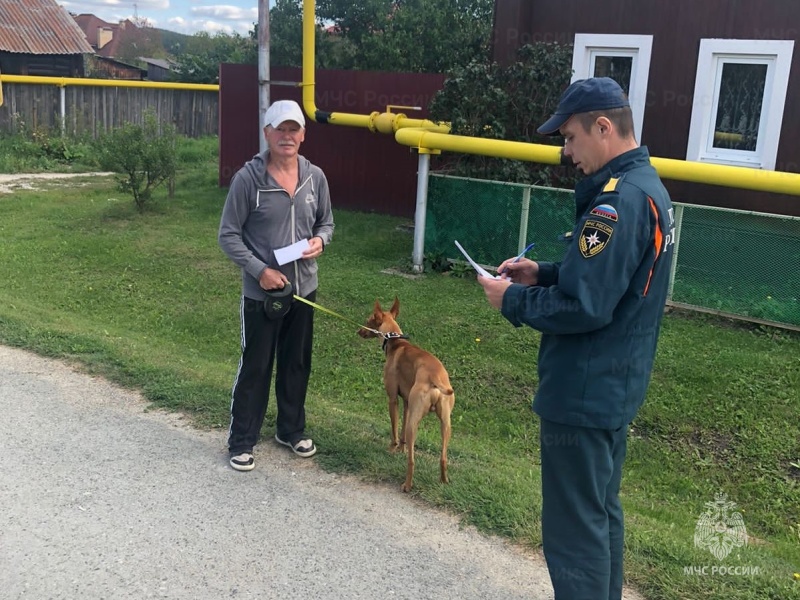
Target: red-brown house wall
366	171
677	26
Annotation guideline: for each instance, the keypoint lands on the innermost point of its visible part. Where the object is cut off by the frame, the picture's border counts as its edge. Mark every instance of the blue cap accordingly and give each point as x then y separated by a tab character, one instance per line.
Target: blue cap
585	95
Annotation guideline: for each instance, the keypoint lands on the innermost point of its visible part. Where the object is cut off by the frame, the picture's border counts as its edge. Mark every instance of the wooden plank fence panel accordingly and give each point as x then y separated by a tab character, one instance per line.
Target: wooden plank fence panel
91	111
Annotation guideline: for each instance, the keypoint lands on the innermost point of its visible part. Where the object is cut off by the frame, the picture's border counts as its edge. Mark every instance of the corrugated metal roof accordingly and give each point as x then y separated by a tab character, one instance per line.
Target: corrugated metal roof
39	27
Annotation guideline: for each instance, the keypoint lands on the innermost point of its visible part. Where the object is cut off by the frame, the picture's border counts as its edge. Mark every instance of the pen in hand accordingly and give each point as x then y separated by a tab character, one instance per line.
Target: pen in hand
519	256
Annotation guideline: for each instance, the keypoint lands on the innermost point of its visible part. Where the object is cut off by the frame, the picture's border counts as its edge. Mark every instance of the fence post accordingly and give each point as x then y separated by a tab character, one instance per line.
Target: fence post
419	216
63	98
674	265
523	219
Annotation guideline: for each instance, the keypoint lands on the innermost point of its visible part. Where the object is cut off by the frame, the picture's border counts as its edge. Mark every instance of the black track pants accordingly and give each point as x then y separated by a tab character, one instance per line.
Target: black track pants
286	343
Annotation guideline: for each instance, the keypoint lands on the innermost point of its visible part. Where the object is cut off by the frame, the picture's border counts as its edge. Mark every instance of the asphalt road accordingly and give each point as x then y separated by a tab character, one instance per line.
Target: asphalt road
101	498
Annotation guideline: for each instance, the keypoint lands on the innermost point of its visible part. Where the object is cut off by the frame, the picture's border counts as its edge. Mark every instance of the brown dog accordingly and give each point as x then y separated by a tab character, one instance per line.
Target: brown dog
419	378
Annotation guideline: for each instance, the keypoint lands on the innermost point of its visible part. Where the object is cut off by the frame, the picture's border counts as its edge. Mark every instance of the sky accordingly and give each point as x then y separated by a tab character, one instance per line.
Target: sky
183	16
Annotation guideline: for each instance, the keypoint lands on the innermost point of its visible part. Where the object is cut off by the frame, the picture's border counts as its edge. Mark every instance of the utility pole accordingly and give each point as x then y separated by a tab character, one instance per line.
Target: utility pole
263	69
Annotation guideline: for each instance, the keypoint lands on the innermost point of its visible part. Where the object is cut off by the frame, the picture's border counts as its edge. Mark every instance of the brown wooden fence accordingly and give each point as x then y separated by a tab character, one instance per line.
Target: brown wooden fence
94	110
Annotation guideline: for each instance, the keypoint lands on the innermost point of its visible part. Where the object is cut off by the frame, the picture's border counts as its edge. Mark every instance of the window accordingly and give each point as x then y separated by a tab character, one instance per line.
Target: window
739	97
624	58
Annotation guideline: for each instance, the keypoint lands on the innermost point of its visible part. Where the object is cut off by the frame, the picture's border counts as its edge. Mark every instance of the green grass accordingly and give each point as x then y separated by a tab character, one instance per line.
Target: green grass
149	301
41	149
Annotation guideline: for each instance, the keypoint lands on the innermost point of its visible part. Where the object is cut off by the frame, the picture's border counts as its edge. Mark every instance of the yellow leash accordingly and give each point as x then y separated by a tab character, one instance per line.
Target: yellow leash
335	314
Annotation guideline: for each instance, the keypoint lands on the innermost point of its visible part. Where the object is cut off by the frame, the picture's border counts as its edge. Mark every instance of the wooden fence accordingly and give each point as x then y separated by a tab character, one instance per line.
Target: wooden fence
90	111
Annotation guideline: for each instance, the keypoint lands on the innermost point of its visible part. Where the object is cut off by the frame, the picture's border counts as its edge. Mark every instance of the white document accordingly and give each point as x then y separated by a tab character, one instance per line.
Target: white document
481	271
289	253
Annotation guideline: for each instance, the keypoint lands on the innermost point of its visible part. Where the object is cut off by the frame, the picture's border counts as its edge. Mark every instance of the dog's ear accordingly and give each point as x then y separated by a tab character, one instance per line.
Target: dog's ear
395	310
377	312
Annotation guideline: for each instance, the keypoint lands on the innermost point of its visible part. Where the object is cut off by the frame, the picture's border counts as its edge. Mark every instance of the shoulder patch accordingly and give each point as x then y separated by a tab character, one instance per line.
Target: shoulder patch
611	185
594	237
605	211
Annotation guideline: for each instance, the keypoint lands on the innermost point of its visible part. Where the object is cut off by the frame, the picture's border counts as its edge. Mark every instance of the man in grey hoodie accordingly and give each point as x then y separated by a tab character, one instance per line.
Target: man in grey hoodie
275	200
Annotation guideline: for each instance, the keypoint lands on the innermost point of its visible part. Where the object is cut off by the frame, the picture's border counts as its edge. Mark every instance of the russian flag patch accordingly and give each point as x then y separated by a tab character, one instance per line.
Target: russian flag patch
605	211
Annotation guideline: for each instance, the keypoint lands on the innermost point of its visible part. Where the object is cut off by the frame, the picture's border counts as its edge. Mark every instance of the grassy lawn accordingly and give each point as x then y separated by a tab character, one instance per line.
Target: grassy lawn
149	301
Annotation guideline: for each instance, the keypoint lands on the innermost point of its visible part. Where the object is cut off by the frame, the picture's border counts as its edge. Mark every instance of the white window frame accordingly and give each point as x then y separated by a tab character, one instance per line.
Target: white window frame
714	53
588	46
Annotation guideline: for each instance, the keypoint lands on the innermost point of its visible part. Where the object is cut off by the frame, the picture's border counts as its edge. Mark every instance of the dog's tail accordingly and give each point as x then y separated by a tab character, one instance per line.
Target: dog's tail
445	389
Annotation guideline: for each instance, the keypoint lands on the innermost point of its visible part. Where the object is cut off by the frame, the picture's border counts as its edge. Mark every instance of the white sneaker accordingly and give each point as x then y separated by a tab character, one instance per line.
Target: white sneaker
243	461
303	448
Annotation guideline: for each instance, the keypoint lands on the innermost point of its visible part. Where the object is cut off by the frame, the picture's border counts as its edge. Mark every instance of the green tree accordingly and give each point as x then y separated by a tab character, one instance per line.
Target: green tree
202	54
144	155
173	42
286	37
486	100
430	36
356	21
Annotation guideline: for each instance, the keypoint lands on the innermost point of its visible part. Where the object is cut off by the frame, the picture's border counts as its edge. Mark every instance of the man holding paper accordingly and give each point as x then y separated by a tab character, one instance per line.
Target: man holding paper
276	221
599	311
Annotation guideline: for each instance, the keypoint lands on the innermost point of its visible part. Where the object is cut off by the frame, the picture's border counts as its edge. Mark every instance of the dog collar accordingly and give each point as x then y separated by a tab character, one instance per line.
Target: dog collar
392	335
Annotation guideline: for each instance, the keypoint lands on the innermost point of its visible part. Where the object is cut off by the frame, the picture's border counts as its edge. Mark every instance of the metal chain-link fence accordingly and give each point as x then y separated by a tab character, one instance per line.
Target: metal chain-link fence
738	263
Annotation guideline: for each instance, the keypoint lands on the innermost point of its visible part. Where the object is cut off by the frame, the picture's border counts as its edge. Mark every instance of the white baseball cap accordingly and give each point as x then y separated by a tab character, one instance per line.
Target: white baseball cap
284	110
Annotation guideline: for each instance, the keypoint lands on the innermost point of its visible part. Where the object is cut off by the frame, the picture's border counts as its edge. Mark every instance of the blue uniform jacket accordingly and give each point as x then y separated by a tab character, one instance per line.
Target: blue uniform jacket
600	308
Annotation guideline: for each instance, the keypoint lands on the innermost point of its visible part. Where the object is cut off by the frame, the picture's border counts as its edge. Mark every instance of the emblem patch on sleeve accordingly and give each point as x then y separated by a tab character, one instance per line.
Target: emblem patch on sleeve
606	211
594	237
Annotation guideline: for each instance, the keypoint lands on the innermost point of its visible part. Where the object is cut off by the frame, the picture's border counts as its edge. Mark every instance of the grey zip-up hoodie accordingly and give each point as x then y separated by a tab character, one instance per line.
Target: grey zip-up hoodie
260	216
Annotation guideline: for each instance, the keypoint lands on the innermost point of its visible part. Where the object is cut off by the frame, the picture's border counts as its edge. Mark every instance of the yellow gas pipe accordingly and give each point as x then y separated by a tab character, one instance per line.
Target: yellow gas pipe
387	122
65	81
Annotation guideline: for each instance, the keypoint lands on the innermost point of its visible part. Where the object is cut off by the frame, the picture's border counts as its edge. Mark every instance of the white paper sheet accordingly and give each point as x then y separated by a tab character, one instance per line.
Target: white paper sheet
289	253
481	271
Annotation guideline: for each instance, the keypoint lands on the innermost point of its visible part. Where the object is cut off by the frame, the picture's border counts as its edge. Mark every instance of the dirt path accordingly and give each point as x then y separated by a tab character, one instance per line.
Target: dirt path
32	181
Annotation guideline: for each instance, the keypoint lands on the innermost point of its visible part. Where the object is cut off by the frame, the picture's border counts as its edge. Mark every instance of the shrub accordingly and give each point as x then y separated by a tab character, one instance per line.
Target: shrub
488	100
143	155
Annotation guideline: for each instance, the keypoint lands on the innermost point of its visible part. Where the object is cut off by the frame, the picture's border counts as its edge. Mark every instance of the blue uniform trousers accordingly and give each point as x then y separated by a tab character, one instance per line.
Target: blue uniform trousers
582	524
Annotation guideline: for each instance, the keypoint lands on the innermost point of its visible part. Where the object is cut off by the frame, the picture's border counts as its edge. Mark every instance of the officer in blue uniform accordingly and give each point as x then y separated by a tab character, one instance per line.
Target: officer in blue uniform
599	311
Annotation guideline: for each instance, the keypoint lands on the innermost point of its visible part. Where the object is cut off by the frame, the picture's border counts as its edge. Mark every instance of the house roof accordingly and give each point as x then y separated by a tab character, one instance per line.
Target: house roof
39	27
89	24
159	62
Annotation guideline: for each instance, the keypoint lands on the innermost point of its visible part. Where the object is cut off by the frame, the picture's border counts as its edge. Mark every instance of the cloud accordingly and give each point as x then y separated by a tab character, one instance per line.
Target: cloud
117	4
227	13
176	15
213	27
